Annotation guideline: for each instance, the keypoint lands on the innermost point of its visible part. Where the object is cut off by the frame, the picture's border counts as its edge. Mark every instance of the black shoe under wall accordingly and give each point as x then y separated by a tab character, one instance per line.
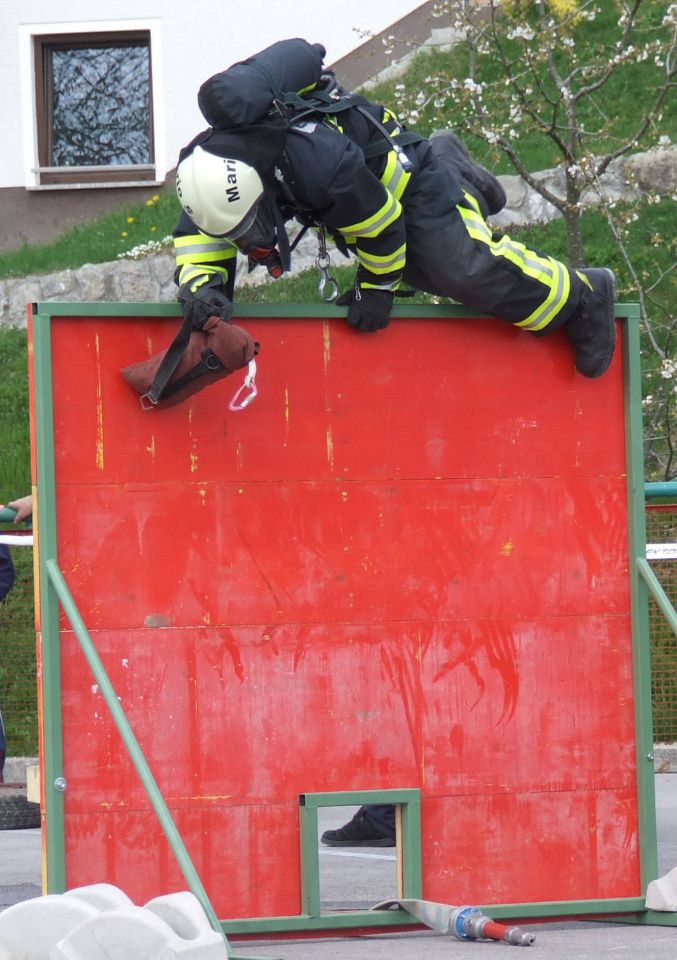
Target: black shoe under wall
592	327
358	832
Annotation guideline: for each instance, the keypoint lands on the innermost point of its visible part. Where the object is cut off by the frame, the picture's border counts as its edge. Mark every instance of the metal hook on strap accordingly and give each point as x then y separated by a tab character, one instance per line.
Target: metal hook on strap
328	286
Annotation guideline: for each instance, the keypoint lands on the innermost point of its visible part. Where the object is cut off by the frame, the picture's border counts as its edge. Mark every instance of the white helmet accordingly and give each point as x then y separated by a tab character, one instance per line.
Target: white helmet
219	194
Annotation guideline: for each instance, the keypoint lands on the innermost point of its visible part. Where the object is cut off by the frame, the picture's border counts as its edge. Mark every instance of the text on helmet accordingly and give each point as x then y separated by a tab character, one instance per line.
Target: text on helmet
231	179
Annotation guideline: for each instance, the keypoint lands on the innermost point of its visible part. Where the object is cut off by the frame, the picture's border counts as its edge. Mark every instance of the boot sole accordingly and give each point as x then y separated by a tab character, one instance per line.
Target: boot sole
610	294
604	290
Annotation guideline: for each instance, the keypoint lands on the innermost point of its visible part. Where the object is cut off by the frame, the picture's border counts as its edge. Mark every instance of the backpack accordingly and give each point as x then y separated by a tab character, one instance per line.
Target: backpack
287	81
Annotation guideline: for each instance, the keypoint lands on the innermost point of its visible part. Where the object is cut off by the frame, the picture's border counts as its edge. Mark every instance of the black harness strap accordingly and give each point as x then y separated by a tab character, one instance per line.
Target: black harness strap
170	362
296	108
209	364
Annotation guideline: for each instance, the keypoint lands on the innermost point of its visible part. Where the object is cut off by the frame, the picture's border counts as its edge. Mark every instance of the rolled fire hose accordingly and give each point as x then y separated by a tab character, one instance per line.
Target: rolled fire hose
464	923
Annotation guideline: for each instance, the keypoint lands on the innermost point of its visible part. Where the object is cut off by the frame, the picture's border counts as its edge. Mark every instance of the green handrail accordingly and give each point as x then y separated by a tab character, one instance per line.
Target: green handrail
659	594
668	488
8	515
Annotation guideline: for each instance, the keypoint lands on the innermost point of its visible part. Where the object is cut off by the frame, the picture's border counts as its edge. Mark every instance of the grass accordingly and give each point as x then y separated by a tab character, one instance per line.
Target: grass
18	686
18	692
15	471
99	241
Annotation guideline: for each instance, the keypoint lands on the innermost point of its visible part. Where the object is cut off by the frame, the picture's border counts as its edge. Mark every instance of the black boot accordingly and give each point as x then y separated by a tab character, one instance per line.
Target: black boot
592	328
447	146
358	832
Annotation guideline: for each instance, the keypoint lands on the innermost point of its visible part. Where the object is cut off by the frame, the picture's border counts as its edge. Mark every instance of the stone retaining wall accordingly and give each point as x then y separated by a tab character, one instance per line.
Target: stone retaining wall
151	278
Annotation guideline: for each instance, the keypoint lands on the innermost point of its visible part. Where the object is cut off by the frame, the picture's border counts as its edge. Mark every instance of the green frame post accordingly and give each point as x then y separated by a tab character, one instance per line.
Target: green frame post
52	730
639	601
632	908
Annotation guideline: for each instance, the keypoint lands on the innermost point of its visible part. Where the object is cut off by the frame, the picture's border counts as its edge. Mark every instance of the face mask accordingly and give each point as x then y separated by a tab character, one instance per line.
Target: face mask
257	230
256	239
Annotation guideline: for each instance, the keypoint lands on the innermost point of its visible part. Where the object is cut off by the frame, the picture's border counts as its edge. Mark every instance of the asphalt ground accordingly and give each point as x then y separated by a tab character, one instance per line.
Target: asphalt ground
354	878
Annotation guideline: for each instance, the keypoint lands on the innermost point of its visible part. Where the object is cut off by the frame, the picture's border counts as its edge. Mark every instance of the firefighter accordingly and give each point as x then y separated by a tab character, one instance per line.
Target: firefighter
409	209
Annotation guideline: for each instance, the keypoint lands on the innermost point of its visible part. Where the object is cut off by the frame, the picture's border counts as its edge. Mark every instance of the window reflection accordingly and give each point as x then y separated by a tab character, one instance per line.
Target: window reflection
101	105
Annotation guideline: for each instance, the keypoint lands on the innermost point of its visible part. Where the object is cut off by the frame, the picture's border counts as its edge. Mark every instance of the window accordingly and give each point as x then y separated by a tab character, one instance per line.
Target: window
94	108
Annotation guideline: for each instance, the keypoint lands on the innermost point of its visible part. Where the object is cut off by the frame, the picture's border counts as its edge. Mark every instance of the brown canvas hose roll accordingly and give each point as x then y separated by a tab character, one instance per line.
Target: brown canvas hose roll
194	360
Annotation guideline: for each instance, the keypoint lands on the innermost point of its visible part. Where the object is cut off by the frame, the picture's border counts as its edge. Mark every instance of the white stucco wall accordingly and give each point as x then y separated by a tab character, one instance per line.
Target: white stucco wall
190	42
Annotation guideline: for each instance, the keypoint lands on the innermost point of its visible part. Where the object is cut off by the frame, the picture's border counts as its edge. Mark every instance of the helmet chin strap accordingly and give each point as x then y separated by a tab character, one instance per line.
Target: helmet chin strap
280	235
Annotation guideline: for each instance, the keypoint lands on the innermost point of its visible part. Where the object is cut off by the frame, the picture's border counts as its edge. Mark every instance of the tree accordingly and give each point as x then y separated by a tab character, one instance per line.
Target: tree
577	84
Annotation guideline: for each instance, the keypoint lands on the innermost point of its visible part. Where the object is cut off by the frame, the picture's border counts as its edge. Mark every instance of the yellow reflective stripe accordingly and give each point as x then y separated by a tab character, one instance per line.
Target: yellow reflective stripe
582	276
372	226
474	202
330	118
194	249
383	264
395	178
202	239
547	271
190	273
217	256
380	286
560	289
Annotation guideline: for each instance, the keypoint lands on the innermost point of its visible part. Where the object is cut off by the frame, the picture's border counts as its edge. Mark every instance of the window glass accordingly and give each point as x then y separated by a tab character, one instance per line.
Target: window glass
100	105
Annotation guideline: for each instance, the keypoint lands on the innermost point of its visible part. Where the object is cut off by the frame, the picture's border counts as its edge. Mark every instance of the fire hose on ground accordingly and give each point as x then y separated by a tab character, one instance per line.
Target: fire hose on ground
464	923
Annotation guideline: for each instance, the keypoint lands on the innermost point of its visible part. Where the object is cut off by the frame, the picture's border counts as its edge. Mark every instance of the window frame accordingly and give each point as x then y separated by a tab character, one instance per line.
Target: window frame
123	175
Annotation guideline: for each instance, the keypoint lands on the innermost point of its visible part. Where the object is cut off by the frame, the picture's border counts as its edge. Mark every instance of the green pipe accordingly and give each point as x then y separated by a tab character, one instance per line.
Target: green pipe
8	515
132	744
51	723
652	491
659	594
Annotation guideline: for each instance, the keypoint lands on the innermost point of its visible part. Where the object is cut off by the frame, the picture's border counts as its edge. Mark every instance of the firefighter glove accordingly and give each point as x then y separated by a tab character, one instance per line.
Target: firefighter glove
209	299
368	308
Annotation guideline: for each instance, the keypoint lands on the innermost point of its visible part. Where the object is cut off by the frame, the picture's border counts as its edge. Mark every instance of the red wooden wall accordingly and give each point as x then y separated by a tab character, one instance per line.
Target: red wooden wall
404	565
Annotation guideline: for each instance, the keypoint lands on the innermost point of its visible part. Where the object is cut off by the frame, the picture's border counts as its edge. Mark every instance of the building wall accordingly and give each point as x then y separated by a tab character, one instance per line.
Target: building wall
187	48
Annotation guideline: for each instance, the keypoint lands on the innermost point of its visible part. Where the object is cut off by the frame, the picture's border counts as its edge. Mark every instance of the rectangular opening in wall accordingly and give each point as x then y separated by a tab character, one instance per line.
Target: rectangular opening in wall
94	108
353	877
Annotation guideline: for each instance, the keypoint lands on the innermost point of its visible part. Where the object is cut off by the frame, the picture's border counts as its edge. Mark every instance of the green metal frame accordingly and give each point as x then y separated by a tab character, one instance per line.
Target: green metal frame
54	592
658	491
409	839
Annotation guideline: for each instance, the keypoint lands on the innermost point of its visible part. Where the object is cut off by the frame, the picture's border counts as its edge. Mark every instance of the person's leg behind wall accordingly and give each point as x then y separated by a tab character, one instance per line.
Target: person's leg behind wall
372	826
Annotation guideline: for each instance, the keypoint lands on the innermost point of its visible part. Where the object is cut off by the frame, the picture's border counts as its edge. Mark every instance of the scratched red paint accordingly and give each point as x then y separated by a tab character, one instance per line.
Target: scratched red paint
405	565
